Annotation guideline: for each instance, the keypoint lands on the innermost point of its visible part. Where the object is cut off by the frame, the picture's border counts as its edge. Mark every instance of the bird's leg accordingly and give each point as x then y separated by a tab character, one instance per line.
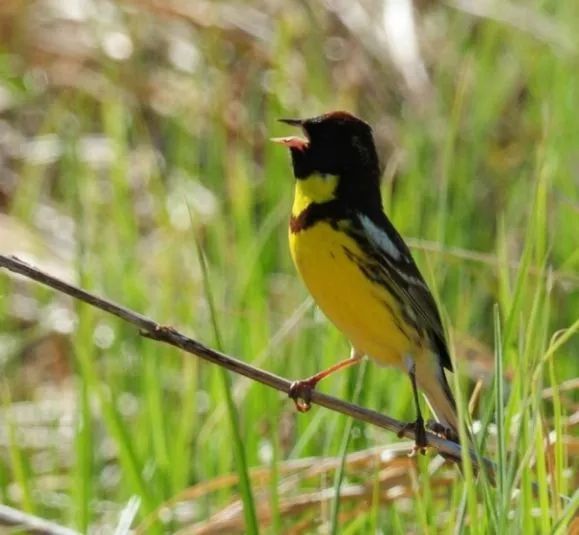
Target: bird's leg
301	391
420	441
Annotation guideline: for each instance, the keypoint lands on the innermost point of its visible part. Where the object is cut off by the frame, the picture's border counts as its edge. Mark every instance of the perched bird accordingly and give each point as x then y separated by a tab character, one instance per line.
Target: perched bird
358	268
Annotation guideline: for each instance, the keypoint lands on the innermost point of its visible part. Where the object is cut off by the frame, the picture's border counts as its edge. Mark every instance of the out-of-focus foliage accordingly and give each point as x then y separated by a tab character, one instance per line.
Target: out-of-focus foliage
131	129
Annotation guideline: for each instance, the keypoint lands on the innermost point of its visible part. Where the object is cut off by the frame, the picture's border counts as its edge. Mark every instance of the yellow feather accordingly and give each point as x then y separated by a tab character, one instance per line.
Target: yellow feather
316	188
364	311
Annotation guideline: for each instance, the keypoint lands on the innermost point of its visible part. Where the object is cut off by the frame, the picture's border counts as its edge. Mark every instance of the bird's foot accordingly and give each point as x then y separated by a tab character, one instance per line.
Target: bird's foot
420	440
301	393
443	431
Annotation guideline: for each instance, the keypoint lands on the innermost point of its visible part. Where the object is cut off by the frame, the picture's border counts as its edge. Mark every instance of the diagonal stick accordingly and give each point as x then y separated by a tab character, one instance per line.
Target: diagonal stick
168	335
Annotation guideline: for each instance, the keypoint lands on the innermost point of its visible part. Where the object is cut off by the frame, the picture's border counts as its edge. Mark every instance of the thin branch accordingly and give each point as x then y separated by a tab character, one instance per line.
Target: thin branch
168	335
31	523
564	278
522	18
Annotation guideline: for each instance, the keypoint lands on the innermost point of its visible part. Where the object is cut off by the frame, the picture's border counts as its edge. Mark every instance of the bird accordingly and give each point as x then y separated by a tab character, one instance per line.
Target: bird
358	268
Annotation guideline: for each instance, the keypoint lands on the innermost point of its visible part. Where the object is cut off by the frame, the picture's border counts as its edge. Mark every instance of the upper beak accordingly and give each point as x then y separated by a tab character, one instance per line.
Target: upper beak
293	122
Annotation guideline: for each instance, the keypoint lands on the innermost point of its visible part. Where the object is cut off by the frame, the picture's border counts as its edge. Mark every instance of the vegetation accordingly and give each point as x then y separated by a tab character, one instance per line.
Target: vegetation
135	161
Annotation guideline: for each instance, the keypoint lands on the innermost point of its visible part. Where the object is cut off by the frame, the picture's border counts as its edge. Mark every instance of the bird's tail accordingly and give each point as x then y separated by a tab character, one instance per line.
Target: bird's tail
432	381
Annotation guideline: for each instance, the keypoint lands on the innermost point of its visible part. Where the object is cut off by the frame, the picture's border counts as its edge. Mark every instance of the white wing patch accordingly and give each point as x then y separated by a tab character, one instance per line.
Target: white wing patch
383	242
380	238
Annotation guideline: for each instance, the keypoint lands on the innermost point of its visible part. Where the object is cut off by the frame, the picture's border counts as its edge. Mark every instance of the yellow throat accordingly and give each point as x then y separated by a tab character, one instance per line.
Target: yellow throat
314	189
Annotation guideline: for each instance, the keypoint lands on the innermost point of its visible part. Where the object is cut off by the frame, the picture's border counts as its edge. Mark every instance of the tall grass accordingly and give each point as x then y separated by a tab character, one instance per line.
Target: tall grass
114	169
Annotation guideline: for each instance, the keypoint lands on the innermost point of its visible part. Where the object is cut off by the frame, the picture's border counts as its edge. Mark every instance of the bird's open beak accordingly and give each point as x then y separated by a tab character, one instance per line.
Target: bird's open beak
292	142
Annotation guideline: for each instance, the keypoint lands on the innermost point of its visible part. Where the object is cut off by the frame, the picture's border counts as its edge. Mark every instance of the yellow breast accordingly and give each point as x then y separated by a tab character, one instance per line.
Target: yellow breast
364	311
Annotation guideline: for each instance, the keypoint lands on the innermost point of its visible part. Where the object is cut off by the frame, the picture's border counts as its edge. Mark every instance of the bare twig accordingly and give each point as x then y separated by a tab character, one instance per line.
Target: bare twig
31	523
521	17
151	329
565	278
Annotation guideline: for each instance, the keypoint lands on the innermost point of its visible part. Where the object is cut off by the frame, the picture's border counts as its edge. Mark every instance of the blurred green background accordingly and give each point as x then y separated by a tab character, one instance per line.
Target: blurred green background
134	134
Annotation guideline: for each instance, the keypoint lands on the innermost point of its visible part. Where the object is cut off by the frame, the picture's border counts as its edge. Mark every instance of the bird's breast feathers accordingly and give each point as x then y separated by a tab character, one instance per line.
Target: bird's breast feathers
338	274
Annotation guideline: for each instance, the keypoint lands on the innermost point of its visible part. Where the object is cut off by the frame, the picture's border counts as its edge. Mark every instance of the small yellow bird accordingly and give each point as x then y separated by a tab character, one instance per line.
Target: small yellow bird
358	268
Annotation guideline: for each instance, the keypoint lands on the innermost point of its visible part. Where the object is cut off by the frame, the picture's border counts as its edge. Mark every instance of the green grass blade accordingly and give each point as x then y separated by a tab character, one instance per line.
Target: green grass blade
339	475
249	511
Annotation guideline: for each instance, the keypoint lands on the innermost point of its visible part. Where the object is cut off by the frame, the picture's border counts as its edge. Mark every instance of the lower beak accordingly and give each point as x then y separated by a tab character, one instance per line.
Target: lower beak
292	142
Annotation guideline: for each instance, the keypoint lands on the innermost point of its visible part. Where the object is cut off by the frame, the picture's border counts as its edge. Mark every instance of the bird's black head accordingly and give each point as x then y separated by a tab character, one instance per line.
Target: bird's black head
338	144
